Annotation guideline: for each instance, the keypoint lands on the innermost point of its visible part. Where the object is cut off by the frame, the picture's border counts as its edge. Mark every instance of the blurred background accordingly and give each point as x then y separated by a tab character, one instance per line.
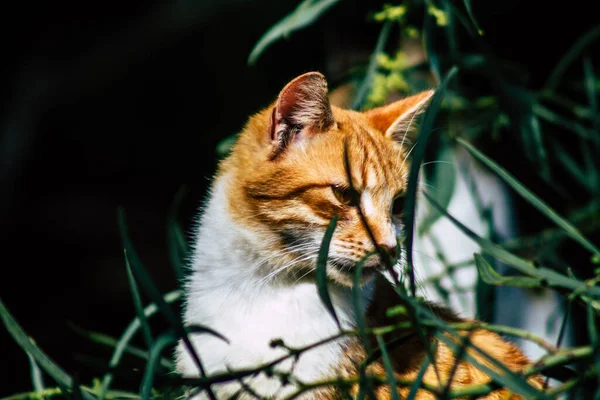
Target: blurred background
122	103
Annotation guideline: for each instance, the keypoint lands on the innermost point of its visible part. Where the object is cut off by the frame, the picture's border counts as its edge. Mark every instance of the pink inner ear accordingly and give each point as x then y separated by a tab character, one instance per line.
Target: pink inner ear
302	107
288	102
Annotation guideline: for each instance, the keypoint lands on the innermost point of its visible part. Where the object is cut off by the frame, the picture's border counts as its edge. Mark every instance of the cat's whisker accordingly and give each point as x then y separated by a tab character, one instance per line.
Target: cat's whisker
408	154
410	123
280	254
437	162
287	265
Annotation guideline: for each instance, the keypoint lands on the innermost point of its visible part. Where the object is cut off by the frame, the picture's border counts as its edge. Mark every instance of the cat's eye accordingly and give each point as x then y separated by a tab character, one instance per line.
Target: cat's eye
345	195
398	205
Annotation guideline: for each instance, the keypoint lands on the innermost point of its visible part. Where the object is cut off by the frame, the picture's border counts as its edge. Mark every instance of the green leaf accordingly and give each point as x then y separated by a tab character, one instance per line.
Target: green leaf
425	132
305	14
365	86
561	222
321	273
389	369
551	277
490	276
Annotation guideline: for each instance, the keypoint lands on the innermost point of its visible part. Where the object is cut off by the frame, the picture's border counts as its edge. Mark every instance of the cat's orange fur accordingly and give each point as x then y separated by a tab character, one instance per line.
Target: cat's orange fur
280	174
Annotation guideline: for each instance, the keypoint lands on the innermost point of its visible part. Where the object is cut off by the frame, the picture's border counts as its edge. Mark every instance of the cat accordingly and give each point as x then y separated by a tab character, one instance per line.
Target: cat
255	250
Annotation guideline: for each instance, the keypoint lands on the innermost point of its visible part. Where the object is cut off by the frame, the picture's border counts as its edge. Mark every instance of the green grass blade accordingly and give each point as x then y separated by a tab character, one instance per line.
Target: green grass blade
472	17
425	132
305	14
123	342
389	369
64	380
419	379
561	222
580	44
365	86
519	105
162	341
357	302
137	302
106	340
37	379
27	344
321	272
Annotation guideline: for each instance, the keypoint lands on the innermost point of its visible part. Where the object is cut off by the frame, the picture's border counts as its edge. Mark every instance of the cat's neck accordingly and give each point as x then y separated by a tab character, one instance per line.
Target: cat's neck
226	292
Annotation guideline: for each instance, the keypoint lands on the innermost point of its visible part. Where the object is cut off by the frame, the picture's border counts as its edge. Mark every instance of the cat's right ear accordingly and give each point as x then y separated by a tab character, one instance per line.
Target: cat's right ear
302	109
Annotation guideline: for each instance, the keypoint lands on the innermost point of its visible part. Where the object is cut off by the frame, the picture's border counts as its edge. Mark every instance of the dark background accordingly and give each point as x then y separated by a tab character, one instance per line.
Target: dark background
114	104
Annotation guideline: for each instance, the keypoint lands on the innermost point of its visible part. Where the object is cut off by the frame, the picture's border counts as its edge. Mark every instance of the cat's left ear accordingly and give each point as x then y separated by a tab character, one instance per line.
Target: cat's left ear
302	108
398	120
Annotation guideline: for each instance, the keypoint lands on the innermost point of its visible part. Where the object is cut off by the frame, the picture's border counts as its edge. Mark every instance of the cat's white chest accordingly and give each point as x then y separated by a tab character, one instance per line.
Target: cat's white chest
252	319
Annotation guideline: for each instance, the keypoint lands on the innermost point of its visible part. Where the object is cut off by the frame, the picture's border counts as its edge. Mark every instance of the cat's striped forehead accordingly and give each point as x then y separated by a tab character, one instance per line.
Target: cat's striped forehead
376	162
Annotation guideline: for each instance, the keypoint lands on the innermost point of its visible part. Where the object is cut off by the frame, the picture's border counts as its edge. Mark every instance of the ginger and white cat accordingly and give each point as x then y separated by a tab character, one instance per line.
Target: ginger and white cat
257	243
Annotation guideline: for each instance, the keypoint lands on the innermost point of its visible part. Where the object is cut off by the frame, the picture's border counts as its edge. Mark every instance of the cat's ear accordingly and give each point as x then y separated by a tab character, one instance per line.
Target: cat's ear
398	120
302	108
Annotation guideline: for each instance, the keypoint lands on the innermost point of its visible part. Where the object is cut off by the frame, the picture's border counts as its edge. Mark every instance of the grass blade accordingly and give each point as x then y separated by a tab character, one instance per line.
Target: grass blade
305	14
64	380
130	331
585	40
321	273
472	17
419	379
37	379
106	340
27	344
137	302
357	302
561	222
162	341
389	370
425	132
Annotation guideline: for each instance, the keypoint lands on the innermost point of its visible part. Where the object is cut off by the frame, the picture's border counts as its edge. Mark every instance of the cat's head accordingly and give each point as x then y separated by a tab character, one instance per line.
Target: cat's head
289	179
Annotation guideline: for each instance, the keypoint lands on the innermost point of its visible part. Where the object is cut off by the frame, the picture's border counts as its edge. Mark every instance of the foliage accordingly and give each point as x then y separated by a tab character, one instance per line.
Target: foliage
535	119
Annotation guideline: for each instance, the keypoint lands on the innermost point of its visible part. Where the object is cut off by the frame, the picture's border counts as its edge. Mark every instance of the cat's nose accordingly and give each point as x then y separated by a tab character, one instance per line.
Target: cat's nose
391	250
